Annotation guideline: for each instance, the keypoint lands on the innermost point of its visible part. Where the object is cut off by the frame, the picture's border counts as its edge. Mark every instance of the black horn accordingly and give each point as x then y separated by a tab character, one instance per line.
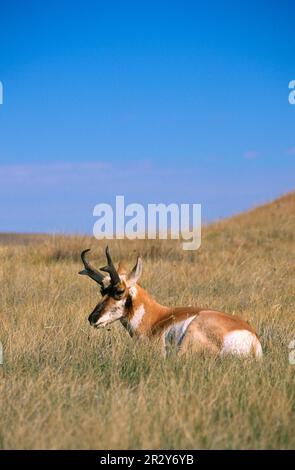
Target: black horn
110	268
89	270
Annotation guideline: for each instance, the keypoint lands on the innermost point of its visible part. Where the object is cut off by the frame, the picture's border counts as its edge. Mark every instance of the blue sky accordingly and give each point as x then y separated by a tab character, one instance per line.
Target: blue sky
158	101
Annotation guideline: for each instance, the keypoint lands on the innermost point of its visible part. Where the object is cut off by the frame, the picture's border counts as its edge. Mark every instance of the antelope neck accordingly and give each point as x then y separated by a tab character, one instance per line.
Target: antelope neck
143	312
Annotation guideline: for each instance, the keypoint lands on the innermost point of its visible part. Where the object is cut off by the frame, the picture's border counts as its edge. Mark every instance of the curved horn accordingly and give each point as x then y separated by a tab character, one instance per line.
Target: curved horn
89	270
110	268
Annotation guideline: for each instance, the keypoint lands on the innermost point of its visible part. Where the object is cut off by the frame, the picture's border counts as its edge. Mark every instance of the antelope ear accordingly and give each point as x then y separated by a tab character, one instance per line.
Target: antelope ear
135	273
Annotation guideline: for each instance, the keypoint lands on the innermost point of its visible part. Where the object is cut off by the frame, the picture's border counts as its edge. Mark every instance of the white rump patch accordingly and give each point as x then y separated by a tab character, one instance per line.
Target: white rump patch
137	317
241	343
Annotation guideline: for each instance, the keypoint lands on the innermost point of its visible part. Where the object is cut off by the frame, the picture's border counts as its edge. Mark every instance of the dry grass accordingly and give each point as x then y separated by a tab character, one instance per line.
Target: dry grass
68	386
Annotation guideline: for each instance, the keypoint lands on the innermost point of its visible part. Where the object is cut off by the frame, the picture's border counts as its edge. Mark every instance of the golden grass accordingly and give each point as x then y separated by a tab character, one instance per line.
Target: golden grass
68	386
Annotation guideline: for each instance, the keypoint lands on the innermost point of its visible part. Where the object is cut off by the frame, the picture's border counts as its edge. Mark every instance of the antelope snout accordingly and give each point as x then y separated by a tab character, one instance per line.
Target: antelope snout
91	320
95	315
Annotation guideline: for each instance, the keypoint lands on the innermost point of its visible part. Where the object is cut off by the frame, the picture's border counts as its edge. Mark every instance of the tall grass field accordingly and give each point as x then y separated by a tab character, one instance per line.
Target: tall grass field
64	385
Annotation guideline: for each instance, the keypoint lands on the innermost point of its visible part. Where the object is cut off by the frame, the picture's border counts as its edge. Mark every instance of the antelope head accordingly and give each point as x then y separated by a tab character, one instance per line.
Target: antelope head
115	288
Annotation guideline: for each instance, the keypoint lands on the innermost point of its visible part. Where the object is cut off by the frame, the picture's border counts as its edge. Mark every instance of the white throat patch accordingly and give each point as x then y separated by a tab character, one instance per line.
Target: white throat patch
137	317
133	292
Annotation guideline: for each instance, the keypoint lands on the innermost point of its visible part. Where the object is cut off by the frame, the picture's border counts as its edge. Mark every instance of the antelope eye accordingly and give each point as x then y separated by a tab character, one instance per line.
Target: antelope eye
119	293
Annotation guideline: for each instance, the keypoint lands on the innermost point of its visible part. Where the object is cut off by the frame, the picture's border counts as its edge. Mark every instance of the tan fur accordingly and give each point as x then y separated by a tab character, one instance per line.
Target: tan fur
205	333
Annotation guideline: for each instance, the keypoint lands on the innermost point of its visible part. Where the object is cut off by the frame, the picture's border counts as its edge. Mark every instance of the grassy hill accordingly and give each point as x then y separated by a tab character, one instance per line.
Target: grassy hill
66	385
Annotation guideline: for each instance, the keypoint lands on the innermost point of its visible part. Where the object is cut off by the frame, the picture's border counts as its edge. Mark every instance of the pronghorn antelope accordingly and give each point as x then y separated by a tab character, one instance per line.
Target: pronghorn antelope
180	327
